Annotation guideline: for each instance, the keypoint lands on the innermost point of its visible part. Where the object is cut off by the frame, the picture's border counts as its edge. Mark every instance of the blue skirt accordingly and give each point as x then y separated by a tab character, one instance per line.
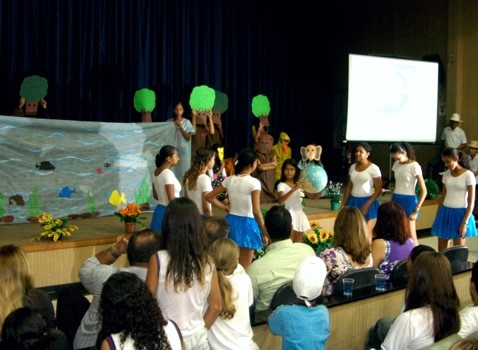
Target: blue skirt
447	223
157	220
244	231
358	202
407	202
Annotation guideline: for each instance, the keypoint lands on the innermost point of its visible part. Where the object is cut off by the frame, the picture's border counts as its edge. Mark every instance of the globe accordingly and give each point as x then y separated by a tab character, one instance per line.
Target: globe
315	178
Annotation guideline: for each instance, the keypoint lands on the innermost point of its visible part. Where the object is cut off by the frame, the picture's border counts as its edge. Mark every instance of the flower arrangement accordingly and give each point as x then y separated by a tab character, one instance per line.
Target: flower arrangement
130	213
318	238
334	191
53	228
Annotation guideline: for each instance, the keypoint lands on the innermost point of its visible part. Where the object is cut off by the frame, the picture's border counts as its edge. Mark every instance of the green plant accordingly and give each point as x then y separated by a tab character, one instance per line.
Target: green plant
333	191
433	190
318	238
130	213
54	228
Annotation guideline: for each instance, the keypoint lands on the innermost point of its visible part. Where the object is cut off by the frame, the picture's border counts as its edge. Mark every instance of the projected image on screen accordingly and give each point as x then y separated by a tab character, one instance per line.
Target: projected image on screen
391	99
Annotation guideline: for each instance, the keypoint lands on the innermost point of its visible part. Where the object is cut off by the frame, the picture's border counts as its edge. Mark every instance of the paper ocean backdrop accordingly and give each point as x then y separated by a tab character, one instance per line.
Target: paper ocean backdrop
71	168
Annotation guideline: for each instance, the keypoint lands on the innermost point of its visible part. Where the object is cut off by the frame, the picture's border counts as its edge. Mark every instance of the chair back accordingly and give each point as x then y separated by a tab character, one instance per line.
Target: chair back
458	257
445	343
400	274
283	295
364	277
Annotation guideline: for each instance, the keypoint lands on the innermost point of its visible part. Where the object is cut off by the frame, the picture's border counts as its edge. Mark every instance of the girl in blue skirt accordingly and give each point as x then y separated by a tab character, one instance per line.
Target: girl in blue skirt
454	219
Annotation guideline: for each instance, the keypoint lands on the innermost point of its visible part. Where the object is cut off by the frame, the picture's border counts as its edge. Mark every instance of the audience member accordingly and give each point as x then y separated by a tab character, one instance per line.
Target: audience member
289	191
453	136
245	217
166	186
469	314
351	248
184	132
465	344
97	269
26	329
415	252
392	241
131	318
407	173
215	227
282	257
304	325
473	147
183	277
431	306
364	185
454	219
232	329
197	183
266	168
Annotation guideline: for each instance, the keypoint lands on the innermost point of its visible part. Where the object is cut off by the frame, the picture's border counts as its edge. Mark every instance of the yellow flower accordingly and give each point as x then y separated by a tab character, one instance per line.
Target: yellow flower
314	225
324	235
54	228
311	237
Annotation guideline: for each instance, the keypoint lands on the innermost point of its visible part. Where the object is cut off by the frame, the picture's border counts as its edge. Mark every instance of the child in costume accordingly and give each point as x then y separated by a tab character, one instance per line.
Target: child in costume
283	152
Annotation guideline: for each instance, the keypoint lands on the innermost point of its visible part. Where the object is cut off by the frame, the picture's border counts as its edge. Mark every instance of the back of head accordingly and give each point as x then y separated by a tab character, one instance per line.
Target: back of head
278	222
246	157
431	284
215	227
392	223
351	234
309	279
225	254
141	245
418	249
26	328
201	158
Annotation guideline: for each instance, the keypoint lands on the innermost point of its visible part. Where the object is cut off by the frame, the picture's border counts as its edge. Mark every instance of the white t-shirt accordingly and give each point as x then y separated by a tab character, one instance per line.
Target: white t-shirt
203	185
406	177
411	330
239	189
166	177
453	138
468	320
363	180
235	333
456	189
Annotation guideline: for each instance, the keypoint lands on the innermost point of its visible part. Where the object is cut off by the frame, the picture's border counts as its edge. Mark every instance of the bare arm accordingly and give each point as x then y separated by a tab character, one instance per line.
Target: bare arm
209	123
378	251
108	256
211	197
469	209
206	208
347	191
256	210
214	302
421	199
170	191
152	275
282	197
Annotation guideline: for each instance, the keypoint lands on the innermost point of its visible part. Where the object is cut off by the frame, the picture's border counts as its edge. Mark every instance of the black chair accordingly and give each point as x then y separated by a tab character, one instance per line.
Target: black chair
283	295
458	257
364	277
400	274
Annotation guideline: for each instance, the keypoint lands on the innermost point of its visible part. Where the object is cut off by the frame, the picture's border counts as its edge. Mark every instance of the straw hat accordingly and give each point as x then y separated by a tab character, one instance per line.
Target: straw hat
473	144
455	118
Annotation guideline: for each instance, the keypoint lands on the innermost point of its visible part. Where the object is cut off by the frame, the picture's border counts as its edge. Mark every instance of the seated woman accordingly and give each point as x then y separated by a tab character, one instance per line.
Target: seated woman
392	240
431	306
351	249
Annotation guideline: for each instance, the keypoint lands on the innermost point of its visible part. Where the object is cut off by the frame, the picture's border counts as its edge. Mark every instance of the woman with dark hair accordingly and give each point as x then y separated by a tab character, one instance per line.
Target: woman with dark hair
431	306
131	318
26	329
364	185
197	183
183	277
245	217
166	186
454	218
407	173
392	241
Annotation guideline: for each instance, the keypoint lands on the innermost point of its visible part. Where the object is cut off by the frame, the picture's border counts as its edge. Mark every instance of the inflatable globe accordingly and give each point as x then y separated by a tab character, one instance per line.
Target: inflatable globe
315	178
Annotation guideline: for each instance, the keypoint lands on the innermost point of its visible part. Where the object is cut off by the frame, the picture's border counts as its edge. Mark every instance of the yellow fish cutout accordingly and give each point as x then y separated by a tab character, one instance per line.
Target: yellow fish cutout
116	199
220	153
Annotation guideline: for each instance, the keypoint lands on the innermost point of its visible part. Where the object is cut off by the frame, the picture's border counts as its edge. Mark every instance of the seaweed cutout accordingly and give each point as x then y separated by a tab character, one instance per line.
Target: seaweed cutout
33	208
34	88
144	100
142	196
2	209
91	202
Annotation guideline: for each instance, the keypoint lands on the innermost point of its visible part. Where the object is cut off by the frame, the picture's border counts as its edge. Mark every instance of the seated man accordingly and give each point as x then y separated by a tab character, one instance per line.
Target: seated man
281	259
469	314
97	269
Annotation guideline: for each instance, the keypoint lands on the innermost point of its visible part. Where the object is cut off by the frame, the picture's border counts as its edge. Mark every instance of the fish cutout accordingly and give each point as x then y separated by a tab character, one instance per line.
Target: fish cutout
107	165
45	165
16	200
116	199
66	192
99	170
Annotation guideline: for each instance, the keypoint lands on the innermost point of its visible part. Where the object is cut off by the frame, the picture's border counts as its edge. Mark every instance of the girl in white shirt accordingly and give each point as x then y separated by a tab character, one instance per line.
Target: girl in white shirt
197	183
454	218
166	186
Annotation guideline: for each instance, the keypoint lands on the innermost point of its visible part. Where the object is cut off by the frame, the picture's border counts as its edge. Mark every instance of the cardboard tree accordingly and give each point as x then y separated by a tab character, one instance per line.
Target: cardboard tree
33	90
261	109
221	103
202	100
144	103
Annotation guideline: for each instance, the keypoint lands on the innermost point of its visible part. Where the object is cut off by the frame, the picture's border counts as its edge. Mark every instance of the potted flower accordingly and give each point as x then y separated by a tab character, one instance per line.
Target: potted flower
54	229
318	238
334	192
130	215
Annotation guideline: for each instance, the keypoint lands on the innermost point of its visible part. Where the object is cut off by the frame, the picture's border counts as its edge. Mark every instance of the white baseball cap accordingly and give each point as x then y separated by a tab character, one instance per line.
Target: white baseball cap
455	117
309	279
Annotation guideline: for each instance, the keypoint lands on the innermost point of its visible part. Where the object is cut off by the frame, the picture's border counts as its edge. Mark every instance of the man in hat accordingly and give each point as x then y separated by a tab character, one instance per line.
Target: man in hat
453	135
304	325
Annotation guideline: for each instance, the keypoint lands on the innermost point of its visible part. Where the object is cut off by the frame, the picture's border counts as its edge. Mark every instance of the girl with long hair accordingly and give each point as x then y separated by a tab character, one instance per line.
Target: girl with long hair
245	217
166	186
232	330
197	183
407	173
131	318
183	277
